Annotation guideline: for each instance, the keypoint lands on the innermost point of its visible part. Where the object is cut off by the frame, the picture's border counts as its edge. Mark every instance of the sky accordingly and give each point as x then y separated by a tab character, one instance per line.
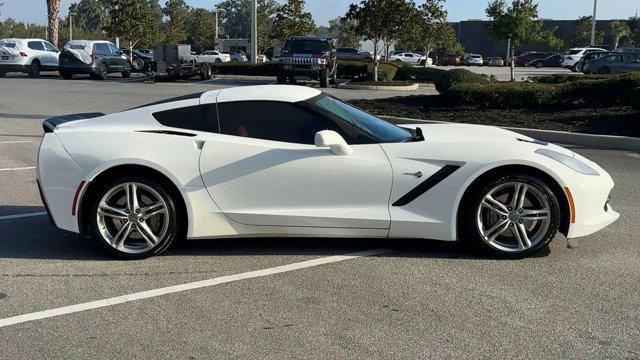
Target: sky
323	10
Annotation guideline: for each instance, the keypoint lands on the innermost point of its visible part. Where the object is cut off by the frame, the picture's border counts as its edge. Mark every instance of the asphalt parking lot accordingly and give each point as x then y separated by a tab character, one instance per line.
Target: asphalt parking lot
393	299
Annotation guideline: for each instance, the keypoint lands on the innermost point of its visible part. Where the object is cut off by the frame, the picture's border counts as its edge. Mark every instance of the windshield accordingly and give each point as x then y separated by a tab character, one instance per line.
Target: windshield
306	46
573	52
376	128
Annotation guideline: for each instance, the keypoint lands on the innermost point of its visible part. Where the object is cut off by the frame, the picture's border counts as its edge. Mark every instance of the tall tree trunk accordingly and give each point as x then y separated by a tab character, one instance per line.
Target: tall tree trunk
375	59
53	9
513	63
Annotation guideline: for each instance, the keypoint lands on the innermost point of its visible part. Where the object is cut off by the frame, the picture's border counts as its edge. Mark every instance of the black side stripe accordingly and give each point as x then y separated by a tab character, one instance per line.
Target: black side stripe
426	185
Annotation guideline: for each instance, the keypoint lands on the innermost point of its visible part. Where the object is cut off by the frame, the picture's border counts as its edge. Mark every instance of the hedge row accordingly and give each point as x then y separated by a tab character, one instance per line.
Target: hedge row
635	99
420	74
247	68
619	90
567	78
445	81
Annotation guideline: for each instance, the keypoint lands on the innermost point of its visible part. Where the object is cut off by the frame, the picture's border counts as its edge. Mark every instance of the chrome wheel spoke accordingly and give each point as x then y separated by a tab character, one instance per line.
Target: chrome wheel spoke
122	235
132	196
519	194
497	229
112	212
151	210
522	238
494	205
542	214
147	234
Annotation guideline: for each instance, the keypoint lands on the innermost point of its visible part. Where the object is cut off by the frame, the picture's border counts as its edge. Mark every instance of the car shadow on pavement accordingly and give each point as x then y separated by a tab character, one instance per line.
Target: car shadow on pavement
36	238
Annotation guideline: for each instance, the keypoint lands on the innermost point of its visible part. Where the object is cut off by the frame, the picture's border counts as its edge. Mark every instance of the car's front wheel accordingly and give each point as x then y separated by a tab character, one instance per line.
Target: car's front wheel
133	218
510	216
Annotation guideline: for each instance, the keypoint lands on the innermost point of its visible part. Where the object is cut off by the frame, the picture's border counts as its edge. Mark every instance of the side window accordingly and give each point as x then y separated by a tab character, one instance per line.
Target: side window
49	47
197	118
113	49
100	48
270	120
35	45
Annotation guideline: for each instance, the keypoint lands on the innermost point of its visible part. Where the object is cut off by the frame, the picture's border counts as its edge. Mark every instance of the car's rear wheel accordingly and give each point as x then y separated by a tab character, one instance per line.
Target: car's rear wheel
3	74
324	78
539	64
34	71
206	72
510	216
134	218
127	72
103	72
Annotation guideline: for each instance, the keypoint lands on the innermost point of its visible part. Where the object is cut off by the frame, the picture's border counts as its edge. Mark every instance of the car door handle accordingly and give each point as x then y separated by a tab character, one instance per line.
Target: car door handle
416	174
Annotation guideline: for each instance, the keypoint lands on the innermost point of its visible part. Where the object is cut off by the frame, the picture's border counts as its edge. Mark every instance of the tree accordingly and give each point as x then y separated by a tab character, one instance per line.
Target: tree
201	33
342	30
91	15
132	21
175	27
581	35
291	20
366	16
267	10
548	41
394	22
617	30
517	22
53	9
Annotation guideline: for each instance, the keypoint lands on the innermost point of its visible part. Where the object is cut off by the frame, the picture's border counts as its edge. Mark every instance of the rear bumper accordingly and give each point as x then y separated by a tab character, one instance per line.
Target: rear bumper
14	68
80	69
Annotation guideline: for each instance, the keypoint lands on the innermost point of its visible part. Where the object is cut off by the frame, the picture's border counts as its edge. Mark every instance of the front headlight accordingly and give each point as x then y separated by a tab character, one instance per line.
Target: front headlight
569	161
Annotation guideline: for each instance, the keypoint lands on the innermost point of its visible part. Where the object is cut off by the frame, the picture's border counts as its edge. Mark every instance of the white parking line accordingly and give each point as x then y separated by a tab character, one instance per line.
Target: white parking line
19	168
20	216
184	287
15	142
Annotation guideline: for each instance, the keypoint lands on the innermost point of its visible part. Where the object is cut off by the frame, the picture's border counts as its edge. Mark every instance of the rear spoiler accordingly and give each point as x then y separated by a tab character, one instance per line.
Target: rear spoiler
51	124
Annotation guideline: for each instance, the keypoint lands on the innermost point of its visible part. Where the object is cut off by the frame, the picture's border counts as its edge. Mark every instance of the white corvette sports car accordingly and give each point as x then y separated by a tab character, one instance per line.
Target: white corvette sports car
282	160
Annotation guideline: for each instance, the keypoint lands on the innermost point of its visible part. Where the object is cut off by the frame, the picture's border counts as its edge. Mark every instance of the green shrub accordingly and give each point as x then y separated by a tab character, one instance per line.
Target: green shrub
386	71
419	74
247	68
635	99
446	80
616	90
567	78
502	95
353	69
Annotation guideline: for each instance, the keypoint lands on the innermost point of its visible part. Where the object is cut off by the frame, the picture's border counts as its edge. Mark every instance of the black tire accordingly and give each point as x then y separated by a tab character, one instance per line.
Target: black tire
174	220
205	72
604	70
539	64
66	75
34	70
3	74
281	77
127	72
468	216
324	78
103	72
218	61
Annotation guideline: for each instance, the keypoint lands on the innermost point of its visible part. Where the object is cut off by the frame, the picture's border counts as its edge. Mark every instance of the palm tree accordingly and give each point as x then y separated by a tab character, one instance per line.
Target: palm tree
617	30
53	9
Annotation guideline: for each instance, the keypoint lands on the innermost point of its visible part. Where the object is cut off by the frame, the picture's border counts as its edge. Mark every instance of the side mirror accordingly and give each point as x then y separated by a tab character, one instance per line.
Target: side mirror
333	140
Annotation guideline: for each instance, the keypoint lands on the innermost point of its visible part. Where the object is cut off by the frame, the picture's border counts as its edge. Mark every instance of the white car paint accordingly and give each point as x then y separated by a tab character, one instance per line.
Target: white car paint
408	57
236	186
474	59
213	56
19	54
574	55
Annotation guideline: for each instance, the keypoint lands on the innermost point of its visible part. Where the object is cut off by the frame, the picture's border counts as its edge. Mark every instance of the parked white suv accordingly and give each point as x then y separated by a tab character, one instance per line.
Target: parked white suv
571	58
29	56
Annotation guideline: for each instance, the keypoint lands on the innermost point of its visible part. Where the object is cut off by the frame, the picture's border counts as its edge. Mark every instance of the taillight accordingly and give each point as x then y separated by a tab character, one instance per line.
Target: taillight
93	57
23	54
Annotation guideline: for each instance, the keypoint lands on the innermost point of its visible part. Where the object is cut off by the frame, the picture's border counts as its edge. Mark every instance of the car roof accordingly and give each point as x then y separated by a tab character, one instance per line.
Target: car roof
89	43
284	93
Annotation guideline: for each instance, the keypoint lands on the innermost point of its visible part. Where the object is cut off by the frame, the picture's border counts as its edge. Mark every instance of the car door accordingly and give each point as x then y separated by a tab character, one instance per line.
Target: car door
629	64
263	169
118	61
51	55
37	51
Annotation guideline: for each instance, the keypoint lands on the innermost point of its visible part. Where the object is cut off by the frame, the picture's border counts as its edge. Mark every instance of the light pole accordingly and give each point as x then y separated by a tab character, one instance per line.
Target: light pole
71	25
593	23
117	38
254	31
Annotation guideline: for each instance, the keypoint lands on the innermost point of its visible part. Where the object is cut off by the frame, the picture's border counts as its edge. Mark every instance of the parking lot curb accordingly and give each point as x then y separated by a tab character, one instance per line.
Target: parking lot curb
606	142
350	86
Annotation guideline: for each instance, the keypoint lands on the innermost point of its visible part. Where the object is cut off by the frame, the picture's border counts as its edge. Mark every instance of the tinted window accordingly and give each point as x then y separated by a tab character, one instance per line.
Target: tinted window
113	49
8	44
35	45
79	47
101	48
306	46
375	129
573	52
197	118
49	47
270	120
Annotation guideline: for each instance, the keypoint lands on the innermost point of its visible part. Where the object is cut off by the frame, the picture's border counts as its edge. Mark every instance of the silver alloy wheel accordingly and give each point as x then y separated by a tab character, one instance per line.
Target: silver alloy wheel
513	217
132	217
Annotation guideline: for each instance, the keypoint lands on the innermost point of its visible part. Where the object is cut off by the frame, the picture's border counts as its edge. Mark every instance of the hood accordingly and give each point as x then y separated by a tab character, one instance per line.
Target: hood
468	133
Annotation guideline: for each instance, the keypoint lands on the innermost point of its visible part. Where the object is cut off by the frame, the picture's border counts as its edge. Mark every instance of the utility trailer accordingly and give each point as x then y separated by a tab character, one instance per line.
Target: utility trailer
175	61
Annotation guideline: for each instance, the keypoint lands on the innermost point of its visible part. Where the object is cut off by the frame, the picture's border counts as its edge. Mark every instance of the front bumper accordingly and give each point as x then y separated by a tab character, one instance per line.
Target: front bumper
302	70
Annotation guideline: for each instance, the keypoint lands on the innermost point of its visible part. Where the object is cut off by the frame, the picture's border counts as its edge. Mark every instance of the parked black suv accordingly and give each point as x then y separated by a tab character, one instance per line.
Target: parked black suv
96	58
310	57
